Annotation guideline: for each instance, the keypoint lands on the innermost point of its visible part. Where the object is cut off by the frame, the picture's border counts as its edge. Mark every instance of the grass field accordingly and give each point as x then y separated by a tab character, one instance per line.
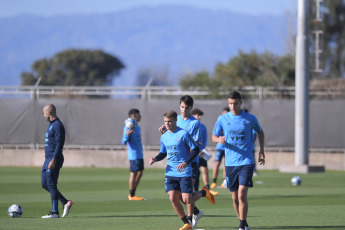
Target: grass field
100	201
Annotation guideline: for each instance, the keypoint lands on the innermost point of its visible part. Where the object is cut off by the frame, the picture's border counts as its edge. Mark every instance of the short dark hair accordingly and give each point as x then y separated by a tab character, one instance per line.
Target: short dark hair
234	95
197	112
133	111
171	114
226	109
188	100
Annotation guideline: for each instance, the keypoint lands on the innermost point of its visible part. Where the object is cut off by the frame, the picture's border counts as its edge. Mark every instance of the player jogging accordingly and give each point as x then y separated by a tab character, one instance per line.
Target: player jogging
176	144
237	127
190	124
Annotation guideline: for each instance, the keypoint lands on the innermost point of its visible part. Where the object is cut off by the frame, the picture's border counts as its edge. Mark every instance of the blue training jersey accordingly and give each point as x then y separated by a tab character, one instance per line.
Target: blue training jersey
54	141
177	145
220	146
238	137
133	142
192	126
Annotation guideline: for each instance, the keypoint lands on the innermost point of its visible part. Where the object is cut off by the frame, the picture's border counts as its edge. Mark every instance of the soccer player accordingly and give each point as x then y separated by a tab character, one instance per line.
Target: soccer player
220	152
190	124
197	113
132	138
236	127
54	142
176	144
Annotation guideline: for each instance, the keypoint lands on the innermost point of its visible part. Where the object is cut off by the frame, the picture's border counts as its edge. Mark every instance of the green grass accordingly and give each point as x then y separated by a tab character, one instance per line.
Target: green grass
100	201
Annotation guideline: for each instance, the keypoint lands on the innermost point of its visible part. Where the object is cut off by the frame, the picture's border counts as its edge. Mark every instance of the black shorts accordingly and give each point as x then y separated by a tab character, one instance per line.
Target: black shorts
202	162
239	175
136	165
183	184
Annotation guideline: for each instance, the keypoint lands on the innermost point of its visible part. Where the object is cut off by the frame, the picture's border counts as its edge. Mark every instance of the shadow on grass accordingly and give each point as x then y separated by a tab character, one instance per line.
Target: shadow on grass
302	227
287	227
145	216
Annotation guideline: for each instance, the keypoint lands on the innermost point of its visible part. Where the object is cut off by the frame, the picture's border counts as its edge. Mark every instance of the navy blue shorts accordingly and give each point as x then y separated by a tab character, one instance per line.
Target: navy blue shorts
239	175
183	184
195	169
136	165
219	155
202	162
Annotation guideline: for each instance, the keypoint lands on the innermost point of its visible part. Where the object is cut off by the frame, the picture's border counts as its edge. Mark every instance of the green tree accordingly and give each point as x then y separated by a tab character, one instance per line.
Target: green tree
200	80
332	24
74	67
246	69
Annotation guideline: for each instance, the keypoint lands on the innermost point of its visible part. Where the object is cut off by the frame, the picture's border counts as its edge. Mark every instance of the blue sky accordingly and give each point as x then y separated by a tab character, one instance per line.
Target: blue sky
48	8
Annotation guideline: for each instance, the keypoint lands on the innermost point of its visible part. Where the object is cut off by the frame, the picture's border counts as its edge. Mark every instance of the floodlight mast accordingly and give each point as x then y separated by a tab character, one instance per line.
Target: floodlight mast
302	86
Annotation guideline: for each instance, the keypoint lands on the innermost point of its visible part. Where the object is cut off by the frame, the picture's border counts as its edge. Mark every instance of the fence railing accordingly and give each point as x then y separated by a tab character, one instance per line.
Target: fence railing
151	147
150	92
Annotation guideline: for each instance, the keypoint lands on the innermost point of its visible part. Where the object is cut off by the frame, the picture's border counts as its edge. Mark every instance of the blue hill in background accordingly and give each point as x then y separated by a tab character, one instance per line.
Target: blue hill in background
180	39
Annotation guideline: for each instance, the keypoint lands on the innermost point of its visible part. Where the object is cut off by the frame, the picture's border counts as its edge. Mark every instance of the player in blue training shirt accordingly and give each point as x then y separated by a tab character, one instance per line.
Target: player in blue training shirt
180	149
190	124
237	127
54	142
132	138
220	153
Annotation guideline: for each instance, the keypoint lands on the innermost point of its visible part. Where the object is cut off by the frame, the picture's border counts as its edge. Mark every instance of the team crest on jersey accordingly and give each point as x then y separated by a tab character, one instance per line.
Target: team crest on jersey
228	123
177	139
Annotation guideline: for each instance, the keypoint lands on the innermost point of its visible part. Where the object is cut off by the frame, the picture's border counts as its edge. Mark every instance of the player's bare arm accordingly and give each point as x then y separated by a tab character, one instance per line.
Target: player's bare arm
220	139
152	160
261	138
130	131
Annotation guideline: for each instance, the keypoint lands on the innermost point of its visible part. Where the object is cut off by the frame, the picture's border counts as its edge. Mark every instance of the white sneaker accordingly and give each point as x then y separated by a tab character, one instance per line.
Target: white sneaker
196	218
51	215
66	208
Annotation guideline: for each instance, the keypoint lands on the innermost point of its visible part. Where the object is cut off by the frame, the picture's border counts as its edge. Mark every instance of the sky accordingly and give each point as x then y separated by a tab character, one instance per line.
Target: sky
50	8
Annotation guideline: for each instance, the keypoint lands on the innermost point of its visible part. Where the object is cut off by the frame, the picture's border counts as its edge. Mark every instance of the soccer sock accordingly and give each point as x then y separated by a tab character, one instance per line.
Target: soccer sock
207	186
215	180
242	223
55	206
203	193
185	220
132	192
189	218
196	210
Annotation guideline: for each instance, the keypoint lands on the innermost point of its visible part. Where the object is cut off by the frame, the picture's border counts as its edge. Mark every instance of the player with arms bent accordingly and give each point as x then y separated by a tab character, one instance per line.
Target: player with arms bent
175	145
237	127
190	124
132	138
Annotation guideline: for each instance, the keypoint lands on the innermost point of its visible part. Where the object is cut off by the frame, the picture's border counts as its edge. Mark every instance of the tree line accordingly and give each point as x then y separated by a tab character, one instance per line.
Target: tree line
75	67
